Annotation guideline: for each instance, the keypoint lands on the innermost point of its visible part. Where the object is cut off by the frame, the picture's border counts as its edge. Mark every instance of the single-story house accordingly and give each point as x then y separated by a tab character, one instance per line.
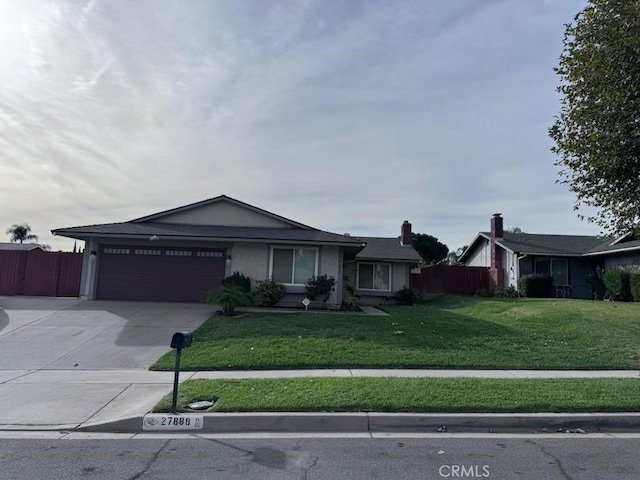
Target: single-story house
20	247
568	259
178	255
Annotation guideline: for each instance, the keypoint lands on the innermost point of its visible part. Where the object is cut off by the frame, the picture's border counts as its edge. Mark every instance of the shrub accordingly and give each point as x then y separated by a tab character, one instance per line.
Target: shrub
595	279
634	283
271	292
507	292
237	278
408	296
535	285
229	297
320	286
350	302
617	283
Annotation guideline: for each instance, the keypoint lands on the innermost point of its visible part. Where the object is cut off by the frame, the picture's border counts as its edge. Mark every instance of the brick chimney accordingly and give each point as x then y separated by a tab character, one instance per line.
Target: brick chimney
496	270
405	234
496	226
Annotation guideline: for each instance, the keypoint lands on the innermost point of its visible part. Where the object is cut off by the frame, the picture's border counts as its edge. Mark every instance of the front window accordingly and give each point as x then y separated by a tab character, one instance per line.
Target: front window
374	276
293	266
556	268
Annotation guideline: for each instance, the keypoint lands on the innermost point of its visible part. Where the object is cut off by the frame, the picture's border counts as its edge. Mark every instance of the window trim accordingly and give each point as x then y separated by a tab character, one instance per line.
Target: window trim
390	289
293	248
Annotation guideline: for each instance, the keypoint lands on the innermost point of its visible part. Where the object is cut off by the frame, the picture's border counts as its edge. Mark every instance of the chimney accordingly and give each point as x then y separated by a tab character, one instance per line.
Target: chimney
496	269
405	234
496	226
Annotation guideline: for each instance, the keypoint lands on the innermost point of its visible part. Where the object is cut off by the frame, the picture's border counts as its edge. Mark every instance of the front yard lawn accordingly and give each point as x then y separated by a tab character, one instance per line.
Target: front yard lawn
447	332
391	394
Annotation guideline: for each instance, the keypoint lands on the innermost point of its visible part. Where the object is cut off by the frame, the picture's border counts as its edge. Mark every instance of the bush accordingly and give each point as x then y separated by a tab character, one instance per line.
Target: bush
617	283
507	292
271	292
408	296
634	283
535	286
237	278
350	302
595	279
229	297
320	286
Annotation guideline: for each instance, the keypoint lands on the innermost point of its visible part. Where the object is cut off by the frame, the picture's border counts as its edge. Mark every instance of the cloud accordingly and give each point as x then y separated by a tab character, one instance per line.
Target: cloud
350	116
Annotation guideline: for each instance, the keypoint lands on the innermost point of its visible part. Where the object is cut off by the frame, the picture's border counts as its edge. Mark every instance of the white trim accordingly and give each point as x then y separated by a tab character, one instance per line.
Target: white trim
374	289
293	248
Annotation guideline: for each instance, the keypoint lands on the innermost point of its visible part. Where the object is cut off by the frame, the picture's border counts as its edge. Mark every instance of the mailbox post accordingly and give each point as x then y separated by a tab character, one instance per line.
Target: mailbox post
179	341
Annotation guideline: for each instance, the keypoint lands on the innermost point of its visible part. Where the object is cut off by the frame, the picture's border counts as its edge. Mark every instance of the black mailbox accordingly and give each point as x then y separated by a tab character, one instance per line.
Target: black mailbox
181	340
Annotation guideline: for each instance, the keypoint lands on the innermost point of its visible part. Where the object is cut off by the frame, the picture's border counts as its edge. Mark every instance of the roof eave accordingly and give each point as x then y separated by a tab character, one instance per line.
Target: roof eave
146	237
617	250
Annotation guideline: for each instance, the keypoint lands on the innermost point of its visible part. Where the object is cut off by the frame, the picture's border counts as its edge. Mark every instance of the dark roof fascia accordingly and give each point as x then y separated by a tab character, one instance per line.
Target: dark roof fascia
155	216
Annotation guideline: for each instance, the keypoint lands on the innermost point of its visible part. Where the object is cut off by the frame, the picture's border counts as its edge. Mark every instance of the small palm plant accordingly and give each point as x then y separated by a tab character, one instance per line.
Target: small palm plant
229	297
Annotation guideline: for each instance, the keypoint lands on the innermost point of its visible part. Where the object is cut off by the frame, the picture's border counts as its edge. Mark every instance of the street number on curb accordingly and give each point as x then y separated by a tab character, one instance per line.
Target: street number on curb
159	421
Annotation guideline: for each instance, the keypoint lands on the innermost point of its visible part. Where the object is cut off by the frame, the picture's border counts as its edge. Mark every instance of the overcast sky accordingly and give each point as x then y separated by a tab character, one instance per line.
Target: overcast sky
347	115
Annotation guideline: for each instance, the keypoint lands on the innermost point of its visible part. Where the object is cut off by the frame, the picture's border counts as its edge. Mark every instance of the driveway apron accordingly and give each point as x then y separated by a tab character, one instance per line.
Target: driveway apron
59	334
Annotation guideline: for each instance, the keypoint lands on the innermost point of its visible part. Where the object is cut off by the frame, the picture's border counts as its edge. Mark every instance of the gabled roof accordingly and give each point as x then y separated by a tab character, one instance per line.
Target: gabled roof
559	245
20	246
211	201
553	245
387	249
144	228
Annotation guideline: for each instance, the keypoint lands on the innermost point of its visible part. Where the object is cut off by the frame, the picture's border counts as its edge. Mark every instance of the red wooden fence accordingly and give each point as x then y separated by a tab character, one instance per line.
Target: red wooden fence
38	273
451	279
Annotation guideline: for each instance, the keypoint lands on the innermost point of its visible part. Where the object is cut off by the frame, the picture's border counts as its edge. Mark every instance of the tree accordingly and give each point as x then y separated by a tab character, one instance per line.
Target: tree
597	132
452	257
20	233
429	248
515	230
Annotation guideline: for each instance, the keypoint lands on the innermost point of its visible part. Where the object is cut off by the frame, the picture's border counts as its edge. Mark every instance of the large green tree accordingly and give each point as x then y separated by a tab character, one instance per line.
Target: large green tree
429	248
21	233
597	132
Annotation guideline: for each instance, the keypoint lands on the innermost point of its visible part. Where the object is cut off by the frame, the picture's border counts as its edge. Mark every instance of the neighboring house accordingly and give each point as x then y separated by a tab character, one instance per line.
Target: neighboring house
568	259
179	254
23	247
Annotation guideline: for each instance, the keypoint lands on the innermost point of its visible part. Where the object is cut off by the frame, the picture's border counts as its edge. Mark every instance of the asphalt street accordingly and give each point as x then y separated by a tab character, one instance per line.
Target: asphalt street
533	457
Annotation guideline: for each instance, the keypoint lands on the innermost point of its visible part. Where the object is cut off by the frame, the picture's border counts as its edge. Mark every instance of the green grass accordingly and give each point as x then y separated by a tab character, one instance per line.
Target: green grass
390	394
447	332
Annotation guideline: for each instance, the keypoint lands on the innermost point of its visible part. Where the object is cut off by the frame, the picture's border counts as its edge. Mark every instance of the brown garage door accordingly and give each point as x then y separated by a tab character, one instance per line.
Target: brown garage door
158	274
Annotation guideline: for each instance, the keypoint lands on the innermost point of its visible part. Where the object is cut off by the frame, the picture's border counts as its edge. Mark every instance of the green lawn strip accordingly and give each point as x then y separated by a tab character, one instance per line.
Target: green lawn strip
393	394
447	332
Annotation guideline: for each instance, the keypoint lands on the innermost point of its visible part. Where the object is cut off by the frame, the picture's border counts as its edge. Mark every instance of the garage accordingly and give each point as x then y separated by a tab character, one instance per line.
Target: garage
166	274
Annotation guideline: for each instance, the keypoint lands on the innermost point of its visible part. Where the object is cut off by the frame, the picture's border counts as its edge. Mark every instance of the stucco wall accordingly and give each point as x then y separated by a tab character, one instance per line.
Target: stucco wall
250	259
331	265
400	276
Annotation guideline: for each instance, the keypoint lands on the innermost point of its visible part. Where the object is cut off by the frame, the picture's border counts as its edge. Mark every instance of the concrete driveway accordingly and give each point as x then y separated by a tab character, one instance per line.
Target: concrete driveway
66	334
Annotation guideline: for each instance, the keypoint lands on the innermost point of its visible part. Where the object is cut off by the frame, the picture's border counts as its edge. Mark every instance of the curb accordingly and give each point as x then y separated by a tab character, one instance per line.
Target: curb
302	422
